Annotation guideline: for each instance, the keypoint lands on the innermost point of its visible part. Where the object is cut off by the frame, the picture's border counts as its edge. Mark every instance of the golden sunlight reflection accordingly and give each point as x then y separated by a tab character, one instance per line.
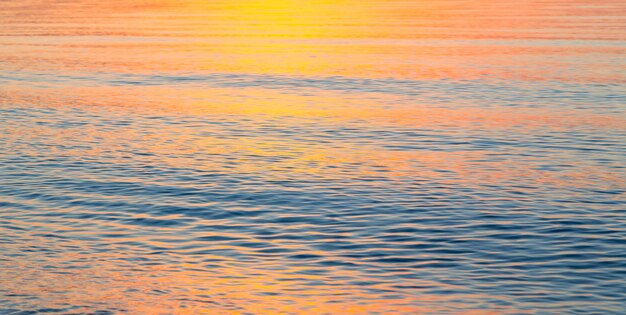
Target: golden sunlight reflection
322	157
179	144
371	39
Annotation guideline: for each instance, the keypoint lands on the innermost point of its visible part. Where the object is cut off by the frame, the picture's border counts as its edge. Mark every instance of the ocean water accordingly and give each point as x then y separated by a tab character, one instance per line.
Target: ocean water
321	157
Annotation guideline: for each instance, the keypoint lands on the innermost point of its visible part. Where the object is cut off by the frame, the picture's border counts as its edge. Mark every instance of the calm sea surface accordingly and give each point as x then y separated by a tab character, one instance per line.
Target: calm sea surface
313	157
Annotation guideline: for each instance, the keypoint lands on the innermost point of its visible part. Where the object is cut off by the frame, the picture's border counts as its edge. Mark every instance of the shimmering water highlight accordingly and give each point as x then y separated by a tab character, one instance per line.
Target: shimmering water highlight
327	157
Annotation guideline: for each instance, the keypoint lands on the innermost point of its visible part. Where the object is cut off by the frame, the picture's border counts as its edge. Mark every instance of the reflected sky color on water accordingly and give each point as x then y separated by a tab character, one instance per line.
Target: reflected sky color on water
319	157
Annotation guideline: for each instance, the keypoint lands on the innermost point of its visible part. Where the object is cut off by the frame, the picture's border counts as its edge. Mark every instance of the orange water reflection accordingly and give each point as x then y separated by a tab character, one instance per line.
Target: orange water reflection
310	157
82	58
416	40
136	284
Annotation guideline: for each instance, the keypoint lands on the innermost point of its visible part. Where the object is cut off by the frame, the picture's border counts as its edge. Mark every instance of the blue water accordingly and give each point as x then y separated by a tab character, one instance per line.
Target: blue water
126	188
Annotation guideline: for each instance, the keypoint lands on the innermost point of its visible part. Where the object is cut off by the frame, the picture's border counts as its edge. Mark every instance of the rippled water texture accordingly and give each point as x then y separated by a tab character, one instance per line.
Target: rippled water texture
320	157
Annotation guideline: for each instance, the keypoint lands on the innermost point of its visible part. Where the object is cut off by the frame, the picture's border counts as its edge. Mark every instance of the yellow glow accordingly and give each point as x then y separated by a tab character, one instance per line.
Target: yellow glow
283	18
